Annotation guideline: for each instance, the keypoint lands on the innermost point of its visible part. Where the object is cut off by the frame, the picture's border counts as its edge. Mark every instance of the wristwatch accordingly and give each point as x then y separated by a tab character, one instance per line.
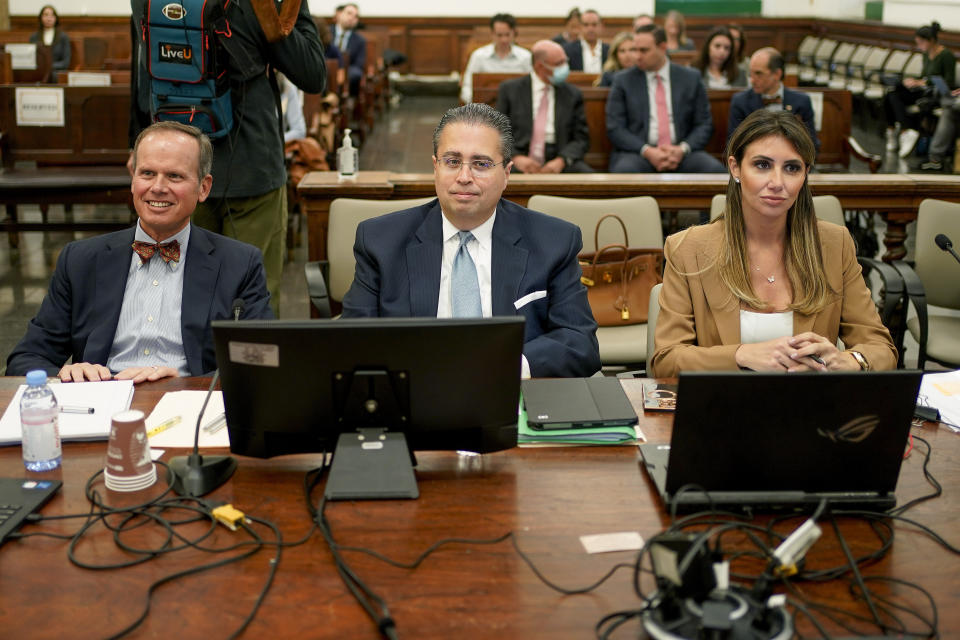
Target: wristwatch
864	365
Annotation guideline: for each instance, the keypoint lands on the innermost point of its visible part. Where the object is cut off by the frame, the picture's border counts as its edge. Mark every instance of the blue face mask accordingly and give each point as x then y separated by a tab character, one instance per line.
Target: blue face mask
560	74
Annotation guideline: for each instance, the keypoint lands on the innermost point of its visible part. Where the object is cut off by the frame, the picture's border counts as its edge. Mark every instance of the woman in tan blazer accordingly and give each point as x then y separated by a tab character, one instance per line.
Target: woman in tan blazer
766	286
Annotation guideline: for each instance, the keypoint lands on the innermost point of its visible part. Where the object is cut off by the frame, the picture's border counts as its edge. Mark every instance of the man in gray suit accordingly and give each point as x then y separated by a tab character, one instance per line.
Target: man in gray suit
666	127
564	136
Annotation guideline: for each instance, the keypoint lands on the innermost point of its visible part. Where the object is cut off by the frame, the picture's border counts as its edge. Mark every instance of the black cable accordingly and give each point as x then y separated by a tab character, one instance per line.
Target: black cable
856	573
938	489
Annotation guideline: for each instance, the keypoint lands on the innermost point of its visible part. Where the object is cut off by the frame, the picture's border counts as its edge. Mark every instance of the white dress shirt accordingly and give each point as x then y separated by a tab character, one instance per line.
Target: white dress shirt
653	135
592	56
480	249
149	332
536	90
486	60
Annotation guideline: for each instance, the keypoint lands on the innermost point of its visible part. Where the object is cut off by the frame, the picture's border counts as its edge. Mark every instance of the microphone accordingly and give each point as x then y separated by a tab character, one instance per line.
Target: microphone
237	308
944	243
196	475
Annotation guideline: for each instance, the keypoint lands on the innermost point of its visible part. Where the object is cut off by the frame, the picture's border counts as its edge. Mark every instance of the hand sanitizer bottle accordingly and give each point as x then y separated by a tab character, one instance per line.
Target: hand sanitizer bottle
347	159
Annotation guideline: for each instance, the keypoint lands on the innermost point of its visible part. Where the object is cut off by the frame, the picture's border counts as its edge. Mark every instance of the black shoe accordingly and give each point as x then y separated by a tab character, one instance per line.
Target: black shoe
931	165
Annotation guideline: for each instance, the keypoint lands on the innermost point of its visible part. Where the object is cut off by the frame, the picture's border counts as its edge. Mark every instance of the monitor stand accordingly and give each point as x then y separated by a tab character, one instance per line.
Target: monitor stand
371	464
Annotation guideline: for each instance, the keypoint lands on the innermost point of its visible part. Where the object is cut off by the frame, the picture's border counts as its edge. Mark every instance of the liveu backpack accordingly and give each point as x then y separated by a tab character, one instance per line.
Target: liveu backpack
189	75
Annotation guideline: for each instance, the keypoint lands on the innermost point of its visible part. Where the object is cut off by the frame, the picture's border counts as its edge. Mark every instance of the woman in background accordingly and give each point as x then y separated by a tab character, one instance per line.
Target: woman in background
571	28
49	35
717	61
623	55
767	286
739	46
676	30
937	61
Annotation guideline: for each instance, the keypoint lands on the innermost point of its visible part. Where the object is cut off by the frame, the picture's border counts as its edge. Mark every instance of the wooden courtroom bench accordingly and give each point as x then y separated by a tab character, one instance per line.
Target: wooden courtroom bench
83	162
893	197
834	134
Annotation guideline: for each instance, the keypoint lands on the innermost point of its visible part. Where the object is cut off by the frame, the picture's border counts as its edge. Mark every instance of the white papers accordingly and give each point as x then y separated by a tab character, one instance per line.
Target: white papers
942	390
106	398
186	404
607	542
23	55
39	106
87	79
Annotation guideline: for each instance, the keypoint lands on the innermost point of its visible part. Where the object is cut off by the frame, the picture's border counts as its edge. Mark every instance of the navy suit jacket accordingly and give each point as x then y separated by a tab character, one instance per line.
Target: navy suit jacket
79	315
628	109
746	102
515	100
357	50
574	51
398	275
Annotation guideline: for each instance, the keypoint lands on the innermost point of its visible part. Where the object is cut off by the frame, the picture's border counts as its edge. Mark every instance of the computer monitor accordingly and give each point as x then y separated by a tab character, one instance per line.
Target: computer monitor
376	388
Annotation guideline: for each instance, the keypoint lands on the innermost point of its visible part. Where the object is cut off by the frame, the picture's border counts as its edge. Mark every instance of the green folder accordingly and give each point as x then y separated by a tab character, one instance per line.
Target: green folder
611	435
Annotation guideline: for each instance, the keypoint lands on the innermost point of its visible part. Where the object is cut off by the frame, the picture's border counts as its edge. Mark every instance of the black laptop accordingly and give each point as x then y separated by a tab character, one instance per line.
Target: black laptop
19	497
577	403
775	441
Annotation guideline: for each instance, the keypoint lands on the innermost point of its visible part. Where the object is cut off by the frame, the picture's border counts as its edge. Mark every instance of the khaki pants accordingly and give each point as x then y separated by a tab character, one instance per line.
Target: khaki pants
258	220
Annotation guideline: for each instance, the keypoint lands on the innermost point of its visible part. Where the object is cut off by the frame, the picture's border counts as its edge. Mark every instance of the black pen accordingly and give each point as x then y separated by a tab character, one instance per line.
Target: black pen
70	409
817	359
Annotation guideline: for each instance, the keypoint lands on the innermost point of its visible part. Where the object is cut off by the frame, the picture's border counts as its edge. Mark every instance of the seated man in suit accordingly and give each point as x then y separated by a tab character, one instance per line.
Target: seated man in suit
500	56
658	114
137	304
767	91
470	253
349	42
554	137
589	52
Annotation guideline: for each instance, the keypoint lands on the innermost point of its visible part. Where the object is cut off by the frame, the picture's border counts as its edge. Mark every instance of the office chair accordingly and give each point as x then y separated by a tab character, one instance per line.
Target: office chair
330	279
652	314
625	345
933	280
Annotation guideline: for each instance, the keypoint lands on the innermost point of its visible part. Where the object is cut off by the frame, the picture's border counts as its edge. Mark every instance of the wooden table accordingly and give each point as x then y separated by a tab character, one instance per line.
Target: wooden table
548	497
894	197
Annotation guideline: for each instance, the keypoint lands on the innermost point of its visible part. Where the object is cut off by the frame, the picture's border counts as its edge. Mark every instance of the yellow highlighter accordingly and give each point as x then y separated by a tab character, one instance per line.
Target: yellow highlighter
163	426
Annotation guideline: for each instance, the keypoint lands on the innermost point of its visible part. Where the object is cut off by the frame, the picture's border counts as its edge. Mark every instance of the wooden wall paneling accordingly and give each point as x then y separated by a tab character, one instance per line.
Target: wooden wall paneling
430	51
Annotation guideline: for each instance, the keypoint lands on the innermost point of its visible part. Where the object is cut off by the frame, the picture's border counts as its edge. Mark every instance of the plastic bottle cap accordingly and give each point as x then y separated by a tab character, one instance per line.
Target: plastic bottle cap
36	377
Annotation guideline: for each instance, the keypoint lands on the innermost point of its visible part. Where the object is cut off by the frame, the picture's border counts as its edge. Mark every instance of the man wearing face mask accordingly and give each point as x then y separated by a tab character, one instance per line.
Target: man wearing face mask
549	122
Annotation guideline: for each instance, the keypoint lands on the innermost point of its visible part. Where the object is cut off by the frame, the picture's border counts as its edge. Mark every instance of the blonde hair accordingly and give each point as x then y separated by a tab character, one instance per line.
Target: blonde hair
802	258
613	63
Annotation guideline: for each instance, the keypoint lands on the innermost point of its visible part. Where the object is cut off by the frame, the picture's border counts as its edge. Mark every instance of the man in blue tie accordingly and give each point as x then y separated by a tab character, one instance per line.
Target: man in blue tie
137	304
470	253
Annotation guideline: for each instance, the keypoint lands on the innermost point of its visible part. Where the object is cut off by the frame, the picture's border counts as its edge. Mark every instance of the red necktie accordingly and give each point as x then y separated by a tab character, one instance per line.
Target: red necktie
663	116
538	140
771	100
168	250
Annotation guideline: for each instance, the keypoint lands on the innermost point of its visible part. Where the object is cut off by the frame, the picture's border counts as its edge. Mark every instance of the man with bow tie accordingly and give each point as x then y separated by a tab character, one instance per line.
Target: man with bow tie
768	92
137	304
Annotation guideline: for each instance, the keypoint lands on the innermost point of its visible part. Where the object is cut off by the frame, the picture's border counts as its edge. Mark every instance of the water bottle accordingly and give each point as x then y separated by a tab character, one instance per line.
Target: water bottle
39	416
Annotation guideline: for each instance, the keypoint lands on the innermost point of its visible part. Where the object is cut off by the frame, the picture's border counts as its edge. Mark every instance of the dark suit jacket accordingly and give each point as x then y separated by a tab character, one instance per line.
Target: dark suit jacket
574	52
628	109
398	275
514	100
79	315
357	50
746	102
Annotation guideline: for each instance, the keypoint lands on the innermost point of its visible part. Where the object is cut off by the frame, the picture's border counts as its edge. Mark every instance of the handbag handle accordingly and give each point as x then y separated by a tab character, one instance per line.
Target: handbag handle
596	231
622	247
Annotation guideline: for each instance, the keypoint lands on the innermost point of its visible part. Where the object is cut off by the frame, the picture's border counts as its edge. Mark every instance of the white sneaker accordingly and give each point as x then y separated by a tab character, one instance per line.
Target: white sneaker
908	140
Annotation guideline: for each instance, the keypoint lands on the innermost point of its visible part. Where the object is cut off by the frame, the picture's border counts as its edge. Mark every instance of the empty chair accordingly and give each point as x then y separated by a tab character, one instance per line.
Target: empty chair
843	72
821	59
840	58
871	66
345	215
652	313
933	280
882	81
625	345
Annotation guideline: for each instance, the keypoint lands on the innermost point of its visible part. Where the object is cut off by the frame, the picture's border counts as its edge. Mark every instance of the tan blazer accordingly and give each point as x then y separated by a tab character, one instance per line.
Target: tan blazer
699	323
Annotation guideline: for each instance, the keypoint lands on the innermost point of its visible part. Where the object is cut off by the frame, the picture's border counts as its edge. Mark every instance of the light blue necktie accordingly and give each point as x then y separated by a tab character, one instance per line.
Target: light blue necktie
464	285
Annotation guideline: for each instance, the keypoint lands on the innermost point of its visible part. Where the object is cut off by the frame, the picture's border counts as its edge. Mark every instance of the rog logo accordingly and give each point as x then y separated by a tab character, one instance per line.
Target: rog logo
856	430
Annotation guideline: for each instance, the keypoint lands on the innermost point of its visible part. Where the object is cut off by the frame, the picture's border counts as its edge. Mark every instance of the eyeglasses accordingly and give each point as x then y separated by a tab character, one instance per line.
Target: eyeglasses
477	167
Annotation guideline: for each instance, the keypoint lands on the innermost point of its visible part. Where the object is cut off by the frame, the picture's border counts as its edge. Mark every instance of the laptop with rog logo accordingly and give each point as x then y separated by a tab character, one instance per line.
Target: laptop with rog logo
760	441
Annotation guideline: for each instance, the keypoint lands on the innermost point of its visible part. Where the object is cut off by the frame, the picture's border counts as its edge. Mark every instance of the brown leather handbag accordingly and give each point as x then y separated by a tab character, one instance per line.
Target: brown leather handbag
619	279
